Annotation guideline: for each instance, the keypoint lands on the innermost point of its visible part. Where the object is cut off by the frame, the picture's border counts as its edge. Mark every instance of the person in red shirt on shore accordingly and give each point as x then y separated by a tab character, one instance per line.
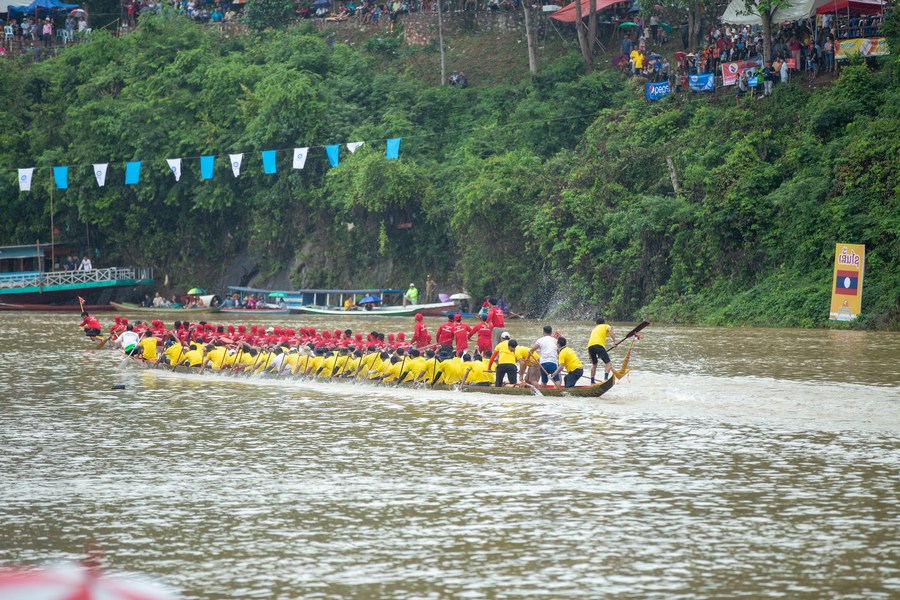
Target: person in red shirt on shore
461	335
445	337
90	325
483	331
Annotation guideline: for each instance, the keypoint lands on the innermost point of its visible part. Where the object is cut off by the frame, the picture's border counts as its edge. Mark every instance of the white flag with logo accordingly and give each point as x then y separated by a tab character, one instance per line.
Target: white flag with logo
300	157
236	163
25	179
352	146
100	173
175	165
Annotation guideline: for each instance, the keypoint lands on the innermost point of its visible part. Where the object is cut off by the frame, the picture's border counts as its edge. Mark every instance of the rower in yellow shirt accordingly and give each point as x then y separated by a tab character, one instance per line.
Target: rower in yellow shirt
216	357
568	360
174	352
451	371
148	348
476	372
505	357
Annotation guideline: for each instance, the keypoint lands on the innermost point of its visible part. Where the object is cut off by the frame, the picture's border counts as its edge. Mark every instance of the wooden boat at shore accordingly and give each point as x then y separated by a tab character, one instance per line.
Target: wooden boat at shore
73	308
254	312
128	307
585	391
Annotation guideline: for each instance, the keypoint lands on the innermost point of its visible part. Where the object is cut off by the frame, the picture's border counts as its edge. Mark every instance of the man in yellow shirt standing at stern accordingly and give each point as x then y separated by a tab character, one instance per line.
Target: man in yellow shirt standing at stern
597	348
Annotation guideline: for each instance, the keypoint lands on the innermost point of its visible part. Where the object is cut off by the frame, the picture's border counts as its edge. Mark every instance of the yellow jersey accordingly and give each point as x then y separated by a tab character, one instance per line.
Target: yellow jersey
192	358
216	357
478	372
598	335
569	360
504	355
148	348
452	371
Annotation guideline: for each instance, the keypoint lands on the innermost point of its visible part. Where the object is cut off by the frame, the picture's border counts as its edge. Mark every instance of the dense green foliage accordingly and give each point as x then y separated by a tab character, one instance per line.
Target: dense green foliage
554	192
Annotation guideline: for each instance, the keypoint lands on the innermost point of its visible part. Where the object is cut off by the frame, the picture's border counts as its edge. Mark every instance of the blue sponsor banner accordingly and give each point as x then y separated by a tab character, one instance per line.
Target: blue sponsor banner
61	176
658	90
703	83
333	153
268	159
206	166
393	148
133	172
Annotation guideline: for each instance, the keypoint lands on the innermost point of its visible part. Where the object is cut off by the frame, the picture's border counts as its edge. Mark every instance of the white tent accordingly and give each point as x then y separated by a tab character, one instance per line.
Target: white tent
737	13
5	4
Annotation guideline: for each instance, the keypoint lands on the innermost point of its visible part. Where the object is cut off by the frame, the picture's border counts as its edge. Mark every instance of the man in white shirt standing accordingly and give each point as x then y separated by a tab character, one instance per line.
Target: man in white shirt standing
86	264
547	355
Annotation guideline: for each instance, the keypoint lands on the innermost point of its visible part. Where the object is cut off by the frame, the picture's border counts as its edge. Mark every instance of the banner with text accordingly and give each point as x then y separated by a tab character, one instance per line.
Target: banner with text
864	46
703	83
732	70
846	291
658	90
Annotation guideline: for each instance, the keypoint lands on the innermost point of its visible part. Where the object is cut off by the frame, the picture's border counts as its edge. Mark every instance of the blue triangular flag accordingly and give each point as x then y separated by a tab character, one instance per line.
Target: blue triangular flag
333	152
133	173
61	176
393	148
268	157
206	166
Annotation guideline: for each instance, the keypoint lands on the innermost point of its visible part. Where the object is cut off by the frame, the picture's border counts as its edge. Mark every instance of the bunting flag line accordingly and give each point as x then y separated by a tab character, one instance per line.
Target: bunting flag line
133	173
61	177
25	179
175	166
393	148
100	173
333	154
206	166
236	163
300	157
268	158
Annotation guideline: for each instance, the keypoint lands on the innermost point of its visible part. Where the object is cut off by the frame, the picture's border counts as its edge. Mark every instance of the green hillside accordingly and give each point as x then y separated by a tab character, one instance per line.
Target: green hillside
553	192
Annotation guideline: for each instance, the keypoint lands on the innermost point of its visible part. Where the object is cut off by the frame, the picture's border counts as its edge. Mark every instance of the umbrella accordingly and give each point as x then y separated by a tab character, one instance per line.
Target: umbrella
654	56
196	292
627	24
659	7
679	56
368	300
618	58
78	12
667	27
277	295
74	581
460	297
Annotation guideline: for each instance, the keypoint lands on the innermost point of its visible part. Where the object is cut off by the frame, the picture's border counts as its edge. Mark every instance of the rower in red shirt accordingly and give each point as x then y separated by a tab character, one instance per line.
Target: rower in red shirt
495	320
420	332
445	336
90	325
460	335
483	331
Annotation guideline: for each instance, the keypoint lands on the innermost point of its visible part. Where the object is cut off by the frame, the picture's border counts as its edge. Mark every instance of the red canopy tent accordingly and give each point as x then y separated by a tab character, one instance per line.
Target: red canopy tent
853	7
567	13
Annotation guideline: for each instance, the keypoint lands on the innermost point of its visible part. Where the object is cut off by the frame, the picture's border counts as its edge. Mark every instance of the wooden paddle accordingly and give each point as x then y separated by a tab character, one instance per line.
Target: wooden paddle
103	342
631	333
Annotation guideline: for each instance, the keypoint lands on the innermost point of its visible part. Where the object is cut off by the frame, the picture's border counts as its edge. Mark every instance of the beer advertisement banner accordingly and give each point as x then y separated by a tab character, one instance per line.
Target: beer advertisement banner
846	290
865	46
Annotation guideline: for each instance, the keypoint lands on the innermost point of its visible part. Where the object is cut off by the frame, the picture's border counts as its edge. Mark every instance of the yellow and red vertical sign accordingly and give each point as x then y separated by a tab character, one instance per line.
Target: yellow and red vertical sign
846	291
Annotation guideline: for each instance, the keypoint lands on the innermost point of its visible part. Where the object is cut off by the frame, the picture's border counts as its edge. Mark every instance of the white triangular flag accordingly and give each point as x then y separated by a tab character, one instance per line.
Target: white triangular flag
100	173
175	165
352	146
236	163
25	179
300	157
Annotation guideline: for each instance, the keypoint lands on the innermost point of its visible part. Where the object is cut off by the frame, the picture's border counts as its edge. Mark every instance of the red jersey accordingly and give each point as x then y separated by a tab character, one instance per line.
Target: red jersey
90	322
420	335
495	317
461	335
445	334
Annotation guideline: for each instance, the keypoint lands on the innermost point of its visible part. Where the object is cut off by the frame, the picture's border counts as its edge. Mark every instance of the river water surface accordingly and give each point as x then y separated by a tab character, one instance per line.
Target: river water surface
733	462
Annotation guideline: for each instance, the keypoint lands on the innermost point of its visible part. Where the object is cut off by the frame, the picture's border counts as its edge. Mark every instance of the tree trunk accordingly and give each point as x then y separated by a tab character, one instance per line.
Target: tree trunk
592	26
441	42
767	36
582	40
531	37
695	18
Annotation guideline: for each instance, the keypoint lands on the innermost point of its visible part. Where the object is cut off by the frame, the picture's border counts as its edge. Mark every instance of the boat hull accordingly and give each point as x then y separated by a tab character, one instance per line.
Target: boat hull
135	308
254	312
429	310
74	308
587	391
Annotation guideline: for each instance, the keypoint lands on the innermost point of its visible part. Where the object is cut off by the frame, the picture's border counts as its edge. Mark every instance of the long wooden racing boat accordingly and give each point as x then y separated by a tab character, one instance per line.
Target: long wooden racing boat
585	391
436	309
137	308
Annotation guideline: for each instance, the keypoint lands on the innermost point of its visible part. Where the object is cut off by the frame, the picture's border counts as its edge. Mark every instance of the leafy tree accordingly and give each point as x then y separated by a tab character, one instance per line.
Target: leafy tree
269	14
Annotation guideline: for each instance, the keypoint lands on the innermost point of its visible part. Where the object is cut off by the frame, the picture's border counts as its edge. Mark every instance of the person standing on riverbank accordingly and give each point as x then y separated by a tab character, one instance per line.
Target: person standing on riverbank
411	296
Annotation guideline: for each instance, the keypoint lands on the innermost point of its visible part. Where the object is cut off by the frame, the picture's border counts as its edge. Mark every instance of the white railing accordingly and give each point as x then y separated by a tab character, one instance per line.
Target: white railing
19	280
